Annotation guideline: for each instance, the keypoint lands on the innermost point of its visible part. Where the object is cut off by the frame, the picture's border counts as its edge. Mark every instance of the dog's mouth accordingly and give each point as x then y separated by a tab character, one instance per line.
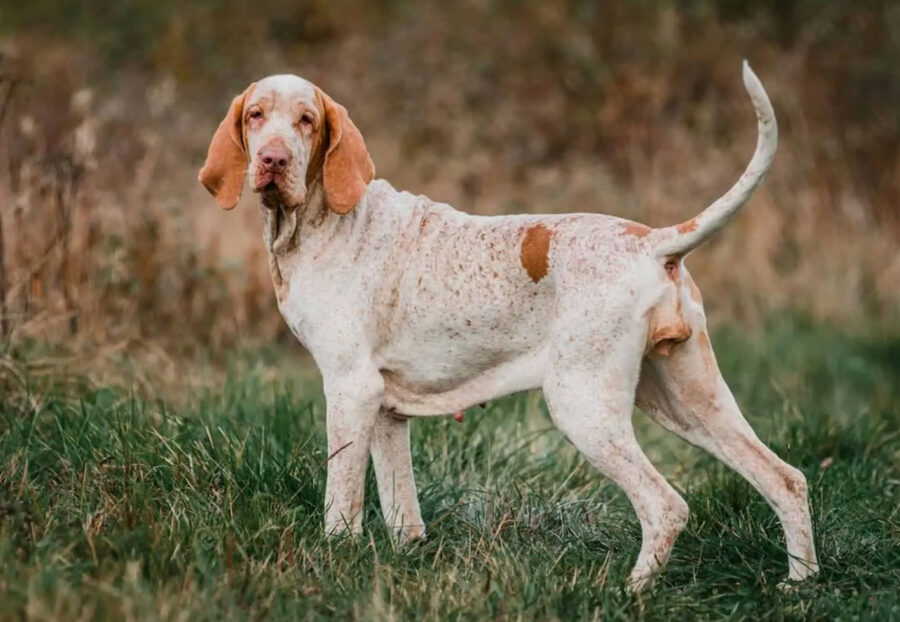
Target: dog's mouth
280	201
276	194
271	195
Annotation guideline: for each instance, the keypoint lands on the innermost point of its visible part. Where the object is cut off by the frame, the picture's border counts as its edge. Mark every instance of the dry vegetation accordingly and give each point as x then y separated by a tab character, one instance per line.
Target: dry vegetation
634	109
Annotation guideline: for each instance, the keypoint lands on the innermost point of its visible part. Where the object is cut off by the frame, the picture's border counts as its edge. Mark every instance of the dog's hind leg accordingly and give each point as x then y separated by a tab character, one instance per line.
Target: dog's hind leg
592	407
686	394
393	470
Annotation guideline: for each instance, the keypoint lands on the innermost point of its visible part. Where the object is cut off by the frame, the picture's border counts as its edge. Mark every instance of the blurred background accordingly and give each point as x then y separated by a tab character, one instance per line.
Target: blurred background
110	248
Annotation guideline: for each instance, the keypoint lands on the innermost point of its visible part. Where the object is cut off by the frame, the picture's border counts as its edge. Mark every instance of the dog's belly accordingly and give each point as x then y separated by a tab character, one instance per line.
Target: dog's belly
439	367
423	387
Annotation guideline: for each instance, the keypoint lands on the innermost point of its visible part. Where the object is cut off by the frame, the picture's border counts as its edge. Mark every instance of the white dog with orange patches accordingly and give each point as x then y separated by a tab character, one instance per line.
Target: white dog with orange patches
412	308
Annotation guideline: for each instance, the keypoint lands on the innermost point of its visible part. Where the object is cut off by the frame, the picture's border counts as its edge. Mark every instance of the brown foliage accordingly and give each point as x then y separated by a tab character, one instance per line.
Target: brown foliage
634	109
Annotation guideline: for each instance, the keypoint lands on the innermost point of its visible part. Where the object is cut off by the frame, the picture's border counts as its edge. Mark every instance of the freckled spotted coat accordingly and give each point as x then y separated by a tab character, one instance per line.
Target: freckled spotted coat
412	308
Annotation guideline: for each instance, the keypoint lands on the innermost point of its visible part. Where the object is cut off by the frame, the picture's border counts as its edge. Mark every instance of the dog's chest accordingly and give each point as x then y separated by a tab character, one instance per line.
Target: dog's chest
320	303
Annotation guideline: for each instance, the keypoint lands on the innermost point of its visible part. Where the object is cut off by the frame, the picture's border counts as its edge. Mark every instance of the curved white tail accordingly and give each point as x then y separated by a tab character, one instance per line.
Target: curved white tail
679	240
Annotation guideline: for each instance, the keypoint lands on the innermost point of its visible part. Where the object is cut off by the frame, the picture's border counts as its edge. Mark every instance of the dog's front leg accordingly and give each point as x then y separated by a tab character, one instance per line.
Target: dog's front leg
352	403
393	471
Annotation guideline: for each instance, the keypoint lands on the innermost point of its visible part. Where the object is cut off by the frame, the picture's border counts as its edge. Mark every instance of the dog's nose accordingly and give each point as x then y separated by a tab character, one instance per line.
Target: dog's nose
274	157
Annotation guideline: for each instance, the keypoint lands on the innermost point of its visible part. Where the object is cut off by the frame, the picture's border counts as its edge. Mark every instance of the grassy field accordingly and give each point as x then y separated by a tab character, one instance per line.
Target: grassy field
114	507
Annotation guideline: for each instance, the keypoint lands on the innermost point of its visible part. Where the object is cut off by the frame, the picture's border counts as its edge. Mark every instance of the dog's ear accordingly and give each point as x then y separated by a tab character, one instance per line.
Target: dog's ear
348	169
226	161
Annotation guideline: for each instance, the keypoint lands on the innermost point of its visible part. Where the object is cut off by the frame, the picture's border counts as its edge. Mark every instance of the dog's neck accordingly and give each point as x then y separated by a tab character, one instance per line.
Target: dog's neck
293	234
282	224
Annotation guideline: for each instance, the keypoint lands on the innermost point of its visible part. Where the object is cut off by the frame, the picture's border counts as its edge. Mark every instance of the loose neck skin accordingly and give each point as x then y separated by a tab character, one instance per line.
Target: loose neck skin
293	235
282	225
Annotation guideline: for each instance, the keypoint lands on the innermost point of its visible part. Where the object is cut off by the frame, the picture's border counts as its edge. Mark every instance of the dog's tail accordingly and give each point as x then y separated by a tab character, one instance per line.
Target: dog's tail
679	240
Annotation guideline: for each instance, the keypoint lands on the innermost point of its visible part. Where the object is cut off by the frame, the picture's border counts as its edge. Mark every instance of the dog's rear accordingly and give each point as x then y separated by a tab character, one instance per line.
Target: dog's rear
681	387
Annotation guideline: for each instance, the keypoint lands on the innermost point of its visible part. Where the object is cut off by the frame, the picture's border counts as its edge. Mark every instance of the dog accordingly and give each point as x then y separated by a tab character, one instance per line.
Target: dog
412	308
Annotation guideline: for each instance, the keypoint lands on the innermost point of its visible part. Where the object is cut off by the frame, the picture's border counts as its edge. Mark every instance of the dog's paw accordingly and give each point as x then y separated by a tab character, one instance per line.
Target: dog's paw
639	583
799	571
788	586
410	534
798	580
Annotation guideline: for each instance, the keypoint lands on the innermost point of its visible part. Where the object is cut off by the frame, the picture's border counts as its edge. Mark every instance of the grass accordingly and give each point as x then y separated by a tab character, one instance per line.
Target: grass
113	507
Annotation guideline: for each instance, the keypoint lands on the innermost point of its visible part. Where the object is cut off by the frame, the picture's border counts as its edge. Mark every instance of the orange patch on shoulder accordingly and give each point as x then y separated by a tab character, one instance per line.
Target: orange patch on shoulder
535	251
636	229
687	226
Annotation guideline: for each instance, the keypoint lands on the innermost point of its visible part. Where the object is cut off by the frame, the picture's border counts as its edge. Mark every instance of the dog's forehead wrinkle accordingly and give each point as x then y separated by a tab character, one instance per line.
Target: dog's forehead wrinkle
285	88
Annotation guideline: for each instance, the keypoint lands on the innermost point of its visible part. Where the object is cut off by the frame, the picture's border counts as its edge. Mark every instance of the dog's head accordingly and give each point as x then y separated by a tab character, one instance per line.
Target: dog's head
285	133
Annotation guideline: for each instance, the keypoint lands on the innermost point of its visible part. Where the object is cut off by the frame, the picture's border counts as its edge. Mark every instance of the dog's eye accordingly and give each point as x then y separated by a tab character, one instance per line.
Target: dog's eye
306	119
255	114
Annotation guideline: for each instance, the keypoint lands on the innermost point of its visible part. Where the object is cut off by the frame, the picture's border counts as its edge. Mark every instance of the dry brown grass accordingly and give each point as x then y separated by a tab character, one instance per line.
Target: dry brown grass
109	245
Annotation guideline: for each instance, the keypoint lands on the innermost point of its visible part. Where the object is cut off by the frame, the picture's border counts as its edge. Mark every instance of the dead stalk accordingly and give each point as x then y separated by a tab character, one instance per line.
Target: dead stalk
12	83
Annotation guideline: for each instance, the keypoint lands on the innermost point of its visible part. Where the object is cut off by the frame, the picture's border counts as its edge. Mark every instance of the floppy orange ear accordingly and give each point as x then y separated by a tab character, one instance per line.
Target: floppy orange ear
226	161
348	169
